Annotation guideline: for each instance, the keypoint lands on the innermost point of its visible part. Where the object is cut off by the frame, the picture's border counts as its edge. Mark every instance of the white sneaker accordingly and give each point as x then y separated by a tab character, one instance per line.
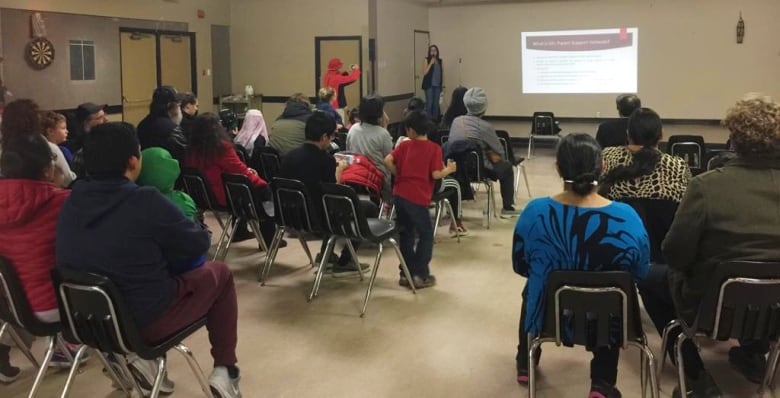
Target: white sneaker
144	372
222	386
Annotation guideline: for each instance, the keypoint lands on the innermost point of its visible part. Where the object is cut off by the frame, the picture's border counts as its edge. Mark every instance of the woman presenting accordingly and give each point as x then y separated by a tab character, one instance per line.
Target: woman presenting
433	79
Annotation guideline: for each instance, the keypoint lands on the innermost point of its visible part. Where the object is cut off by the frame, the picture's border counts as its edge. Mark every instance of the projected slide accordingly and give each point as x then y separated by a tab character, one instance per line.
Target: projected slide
580	61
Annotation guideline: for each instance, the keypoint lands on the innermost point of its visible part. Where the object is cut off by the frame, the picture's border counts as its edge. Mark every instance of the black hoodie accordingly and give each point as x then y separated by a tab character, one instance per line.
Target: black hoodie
131	235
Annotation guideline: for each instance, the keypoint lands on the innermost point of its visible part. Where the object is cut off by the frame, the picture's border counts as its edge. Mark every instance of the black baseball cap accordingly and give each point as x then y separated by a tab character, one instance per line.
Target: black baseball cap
87	109
165	95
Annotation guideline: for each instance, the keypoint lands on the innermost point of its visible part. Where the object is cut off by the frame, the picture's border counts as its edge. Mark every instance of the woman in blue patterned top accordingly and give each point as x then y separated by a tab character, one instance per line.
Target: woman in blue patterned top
577	229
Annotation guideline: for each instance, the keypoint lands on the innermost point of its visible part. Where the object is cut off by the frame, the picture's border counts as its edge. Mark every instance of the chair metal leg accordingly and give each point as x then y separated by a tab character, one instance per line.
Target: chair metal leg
321	267
355	260
453	216
122	361
60	343
119	380
305	248
664	341
271	256
769	372
648	366
8	328
404	267
373	278
437	218
158	378
535	344
73	370
187	353
225	237
525	176
219	219
255	224
680	365
530	144
50	344
772	363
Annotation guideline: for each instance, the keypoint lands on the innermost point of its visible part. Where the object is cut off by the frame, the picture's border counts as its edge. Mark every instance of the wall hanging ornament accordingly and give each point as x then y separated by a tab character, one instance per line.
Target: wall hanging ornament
39	52
740	29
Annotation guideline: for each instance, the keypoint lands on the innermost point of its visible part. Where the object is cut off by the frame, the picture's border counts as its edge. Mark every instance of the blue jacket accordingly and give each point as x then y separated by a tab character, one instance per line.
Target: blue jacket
132	235
328	108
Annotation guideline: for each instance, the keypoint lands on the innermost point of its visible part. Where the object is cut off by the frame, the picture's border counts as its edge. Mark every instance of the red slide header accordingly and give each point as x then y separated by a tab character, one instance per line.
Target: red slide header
603	41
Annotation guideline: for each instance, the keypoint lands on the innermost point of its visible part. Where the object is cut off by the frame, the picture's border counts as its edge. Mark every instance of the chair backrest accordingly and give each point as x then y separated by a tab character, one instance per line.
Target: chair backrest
506	142
717	159
241	153
742	301
271	165
474	166
14	307
657	215
93	312
543	123
444	138
688	147
592	309
198	188
293	204
343	214
436	135
340	138
240	198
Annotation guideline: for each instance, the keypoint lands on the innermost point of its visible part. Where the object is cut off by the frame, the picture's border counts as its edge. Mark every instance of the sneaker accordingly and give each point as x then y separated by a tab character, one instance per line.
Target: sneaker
144	371
509	213
349	269
8	373
703	387
752	366
60	361
602	389
222	386
419	282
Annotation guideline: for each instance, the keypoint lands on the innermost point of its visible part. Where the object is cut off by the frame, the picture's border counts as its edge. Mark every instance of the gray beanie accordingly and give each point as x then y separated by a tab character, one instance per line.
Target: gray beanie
475	100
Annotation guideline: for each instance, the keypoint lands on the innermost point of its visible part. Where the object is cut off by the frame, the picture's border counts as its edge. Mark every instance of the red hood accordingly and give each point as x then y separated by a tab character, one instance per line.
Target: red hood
21	200
335	64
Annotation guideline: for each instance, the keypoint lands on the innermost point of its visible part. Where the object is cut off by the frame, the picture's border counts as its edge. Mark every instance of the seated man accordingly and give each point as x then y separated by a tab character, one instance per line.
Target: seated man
135	236
613	132
472	127
729	214
288	131
312	165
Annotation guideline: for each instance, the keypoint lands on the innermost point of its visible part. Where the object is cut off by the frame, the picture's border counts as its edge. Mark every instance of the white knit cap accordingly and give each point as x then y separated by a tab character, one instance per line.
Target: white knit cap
475	100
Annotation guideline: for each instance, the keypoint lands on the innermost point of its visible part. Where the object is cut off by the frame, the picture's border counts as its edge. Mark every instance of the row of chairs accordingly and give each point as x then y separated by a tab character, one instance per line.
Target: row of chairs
594	309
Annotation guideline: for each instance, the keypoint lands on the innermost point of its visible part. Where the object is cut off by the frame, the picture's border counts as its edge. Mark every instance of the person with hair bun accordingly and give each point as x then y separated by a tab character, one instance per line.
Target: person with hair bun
639	169
577	229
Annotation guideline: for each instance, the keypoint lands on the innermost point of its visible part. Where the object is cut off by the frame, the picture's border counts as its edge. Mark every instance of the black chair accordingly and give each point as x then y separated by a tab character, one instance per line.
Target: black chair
475	170
543	126
441	202
690	148
95	315
241	202
271	165
657	215
443	138
516	162
345	220
242	153
198	188
294	210
592	309
15	311
718	158
340	138
436	135
742	301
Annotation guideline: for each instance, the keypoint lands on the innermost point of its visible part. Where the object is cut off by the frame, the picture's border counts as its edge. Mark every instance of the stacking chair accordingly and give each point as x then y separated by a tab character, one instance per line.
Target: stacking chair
271	165
593	309
718	158
241	201
543	126
516	162
340	138
443	138
441	202
95	315
742	302
345	220
436	135
15	311
690	148
475	169
294	210
657	216
200	191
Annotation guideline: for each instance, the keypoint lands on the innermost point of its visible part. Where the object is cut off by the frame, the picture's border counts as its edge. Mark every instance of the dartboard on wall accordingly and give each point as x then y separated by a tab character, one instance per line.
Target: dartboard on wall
39	53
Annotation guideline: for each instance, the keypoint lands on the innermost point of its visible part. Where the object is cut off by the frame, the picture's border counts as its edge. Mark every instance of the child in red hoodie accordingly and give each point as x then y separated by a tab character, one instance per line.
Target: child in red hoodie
416	164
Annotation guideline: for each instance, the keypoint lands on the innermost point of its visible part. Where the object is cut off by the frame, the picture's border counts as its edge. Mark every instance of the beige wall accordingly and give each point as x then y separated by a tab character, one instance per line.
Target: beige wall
158	10
396	23
272	42
689	63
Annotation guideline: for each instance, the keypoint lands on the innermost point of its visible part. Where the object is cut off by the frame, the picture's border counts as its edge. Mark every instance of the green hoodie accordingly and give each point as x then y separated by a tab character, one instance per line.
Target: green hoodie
160	170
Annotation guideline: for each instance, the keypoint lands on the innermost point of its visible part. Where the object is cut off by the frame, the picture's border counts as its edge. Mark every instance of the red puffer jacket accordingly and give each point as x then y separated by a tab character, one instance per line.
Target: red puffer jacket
363	172
28	219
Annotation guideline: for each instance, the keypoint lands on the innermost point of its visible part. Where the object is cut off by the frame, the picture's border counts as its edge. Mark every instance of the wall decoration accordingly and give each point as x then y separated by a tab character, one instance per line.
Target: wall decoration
39	52
740	29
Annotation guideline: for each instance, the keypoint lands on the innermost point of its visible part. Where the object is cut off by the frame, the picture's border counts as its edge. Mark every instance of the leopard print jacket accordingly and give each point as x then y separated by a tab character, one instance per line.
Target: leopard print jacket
668	181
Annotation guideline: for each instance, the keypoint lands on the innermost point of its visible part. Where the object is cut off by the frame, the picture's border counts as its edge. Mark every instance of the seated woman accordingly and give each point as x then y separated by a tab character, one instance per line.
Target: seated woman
577	229
639	169
371	139
212	152
728	214
253	133
29	204
456	108
326	95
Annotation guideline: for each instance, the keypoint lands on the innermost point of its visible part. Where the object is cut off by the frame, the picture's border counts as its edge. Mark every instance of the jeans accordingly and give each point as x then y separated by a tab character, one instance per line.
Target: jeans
432	95
206	291
603	366
505	174
415	220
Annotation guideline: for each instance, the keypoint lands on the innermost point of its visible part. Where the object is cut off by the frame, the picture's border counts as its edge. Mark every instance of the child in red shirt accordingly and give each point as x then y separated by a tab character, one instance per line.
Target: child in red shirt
416	164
